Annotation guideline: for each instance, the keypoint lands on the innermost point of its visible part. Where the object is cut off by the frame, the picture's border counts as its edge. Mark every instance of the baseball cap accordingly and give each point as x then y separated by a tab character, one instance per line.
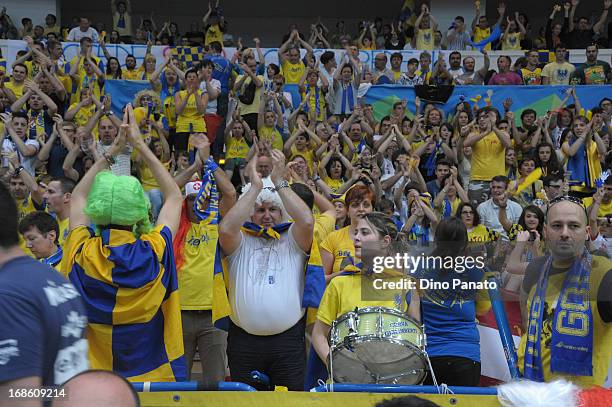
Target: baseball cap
193	188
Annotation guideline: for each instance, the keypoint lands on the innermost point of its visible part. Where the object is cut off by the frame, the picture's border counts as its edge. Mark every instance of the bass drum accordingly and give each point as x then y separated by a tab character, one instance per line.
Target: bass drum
377	345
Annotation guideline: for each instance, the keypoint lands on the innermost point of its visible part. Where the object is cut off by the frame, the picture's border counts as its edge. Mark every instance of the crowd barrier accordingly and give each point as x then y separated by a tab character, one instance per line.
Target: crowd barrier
188	394
120	51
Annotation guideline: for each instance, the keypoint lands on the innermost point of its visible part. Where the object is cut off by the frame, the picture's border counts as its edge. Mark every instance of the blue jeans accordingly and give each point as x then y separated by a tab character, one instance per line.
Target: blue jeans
157	199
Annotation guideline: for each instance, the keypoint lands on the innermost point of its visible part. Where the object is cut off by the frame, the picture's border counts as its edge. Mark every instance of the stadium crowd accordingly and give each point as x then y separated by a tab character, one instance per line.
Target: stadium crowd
213	202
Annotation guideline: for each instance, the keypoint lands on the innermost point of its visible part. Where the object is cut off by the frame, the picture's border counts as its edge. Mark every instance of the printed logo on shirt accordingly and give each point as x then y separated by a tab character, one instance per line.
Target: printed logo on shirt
195	242
8	349
71	361
57	295
562	74
74	325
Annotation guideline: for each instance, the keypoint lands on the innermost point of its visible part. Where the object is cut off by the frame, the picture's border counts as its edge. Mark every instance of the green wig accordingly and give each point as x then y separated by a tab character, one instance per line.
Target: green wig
118	200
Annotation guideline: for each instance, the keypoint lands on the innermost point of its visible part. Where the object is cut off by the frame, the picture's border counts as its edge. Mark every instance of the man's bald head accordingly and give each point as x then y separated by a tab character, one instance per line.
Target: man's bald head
98	388
566	230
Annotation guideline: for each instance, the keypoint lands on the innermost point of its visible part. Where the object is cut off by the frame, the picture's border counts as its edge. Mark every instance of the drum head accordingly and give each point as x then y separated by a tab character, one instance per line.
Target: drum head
376	360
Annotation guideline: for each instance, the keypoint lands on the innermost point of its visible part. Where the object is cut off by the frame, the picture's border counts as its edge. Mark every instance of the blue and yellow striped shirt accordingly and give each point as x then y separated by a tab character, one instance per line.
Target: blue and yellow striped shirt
130	290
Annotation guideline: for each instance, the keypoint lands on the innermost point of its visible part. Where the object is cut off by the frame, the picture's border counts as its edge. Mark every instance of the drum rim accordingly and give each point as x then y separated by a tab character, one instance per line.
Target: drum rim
368	310
420	353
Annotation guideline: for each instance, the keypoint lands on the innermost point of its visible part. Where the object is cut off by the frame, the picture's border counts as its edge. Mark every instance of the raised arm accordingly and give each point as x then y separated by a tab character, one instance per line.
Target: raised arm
603	18
78	199
285	46
170	212
303	226
230	235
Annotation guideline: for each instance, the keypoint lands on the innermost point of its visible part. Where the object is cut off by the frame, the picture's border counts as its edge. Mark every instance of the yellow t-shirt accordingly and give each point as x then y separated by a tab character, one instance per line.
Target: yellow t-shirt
340	245
147	179
15	88
558	74
190	115
253	107
602	331
604	209
236	148
213	34
324	225
480	34
333	184
532	77
511	42
425	39
64	228
312	103
33	68
170	111
84	114
271	134
196	274
342	295
88	81
488	158
292	72
481	233
134	74
308	155
79	59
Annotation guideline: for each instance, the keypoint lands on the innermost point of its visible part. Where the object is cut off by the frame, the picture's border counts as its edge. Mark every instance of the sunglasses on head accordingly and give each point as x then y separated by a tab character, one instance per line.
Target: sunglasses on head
567	198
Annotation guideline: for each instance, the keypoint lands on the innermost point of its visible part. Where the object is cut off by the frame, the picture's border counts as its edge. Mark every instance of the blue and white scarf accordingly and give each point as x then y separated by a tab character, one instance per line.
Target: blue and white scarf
572	324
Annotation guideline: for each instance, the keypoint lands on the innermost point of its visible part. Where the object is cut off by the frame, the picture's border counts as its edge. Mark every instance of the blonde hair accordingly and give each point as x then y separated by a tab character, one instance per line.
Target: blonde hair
147	92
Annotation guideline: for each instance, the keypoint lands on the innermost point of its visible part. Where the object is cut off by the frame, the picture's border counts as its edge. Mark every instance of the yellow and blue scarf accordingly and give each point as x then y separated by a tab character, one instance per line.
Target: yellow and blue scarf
54	259
572	329
314	284
208	194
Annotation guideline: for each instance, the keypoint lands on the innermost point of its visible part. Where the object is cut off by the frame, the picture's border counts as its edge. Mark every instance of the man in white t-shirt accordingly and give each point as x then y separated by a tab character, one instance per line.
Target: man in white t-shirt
83	30
15	139
212	87
266	278
489	210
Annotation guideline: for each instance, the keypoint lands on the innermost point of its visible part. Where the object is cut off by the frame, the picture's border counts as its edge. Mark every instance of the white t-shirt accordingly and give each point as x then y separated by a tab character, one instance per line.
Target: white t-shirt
76	34
8	147
266	284
489	215
211	108
456	72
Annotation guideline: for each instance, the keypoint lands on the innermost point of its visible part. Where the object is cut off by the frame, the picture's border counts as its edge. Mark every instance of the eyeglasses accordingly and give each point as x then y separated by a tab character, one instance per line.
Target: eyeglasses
555	186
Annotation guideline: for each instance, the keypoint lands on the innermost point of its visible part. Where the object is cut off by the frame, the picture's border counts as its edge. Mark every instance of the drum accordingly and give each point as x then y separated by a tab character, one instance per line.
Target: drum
377	345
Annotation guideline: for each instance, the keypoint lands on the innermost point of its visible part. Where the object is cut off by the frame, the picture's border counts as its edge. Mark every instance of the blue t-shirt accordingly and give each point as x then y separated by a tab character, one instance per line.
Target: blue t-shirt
433	188
222	71
449	315
42	324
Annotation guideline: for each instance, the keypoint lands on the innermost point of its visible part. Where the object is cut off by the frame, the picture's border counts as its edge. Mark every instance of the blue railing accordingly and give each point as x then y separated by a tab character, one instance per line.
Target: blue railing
398	388
190	386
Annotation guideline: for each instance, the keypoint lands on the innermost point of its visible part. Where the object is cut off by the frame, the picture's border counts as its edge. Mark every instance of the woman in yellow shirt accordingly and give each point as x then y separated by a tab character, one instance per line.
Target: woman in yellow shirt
477	232
190	105
151	122
344	292
303	142
334	170
237	139
515	32
80	112
160	148
338	246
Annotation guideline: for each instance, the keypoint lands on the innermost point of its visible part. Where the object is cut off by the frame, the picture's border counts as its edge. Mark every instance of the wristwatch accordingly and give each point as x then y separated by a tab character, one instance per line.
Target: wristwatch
283	184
